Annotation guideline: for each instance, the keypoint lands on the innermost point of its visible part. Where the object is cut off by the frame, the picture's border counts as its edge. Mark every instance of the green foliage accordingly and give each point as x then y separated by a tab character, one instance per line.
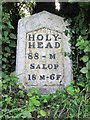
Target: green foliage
79	26
16	103
43	113
83	45
8	81
8	44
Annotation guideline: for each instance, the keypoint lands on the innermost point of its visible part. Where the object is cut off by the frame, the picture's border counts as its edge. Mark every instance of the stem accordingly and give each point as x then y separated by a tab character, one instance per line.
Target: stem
80	107
12	111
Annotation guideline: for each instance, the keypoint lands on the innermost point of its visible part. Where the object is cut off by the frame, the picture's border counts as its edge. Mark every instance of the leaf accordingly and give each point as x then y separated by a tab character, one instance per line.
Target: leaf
85	58
88	65
12	36
45	101
4	59
84	70
34	90
81	83
88	75
78	44
70	90
83	32
10	26
87	49
29	94
6	54
4	81
5	33
13	74
32	99
3	26
26	114
37	103
77	90
7	49
43	113
4	86
12	44
4	66
31	108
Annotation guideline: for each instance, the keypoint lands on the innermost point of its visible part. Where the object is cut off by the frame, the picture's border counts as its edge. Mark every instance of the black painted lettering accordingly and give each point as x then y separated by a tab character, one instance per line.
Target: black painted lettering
57	44
50	66
32	66
44	66
42	77
52	56
31	37
30	56
58	77
56	66
36	56
40	37
48	45
40	44
52	76
31	44
29	77
33	77
56	37
38	66
47	38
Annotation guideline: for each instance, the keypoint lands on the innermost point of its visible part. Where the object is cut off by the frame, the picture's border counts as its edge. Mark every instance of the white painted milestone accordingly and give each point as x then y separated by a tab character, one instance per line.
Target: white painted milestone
40	59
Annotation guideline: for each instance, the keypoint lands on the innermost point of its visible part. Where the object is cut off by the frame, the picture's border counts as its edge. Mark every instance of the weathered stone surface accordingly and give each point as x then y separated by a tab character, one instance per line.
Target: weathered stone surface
40	53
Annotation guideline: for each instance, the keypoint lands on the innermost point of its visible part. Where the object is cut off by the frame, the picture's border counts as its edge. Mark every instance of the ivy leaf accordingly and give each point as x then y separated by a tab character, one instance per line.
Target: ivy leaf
12	36
81	83
4	66
43	113
84	70
85	58
12	44
10	26
4	59
83	32
6	54
87	49
88	75
7	49
88	65
78	44
5	33
77	90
